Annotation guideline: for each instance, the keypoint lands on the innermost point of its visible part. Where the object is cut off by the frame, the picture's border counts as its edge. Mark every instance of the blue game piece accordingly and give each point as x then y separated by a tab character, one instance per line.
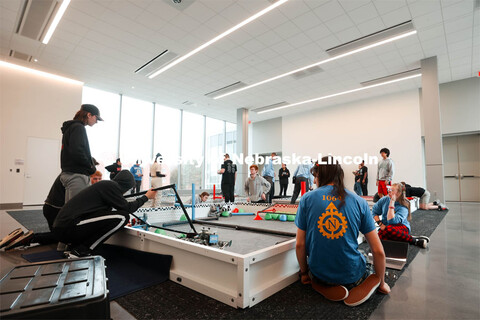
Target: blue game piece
283	217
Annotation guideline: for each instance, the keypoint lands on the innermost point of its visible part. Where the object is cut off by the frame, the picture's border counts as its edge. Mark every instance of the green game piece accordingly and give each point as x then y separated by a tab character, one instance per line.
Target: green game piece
241	211
290	217
183	218
181	236
225	214
268	216
161	231
275	216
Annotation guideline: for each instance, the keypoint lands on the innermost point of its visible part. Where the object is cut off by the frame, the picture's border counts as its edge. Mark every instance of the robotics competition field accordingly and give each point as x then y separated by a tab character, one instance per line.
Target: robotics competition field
224	254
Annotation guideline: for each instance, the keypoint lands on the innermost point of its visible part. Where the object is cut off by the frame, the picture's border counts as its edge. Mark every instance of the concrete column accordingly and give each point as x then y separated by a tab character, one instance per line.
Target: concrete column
242	148
430	104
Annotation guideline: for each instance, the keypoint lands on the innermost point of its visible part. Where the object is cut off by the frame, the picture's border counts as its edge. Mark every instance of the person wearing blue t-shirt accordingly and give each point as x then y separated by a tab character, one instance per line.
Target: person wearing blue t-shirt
137	172
328	222
392	214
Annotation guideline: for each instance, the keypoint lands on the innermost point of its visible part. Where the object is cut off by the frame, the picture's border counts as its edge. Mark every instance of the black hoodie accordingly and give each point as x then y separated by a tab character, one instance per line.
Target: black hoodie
100	197
75	156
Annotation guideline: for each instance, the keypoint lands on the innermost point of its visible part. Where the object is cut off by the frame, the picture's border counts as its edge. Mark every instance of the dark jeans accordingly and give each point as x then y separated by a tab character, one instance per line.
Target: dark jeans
364	188
283	188
368	271
228	191
50	213
136	188
272	188
298	188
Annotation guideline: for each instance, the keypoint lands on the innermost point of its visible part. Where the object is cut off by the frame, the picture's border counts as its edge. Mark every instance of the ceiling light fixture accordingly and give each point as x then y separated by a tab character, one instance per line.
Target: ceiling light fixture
55	21
40	73
377	43
340	93
220	36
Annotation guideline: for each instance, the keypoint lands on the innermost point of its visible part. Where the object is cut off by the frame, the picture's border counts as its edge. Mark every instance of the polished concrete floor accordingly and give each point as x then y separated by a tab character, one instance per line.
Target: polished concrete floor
443	282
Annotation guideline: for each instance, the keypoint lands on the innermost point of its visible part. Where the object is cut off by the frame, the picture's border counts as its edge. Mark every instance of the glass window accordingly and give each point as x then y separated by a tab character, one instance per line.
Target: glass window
214	151
167	140
192	150
231	138
136	135
103	137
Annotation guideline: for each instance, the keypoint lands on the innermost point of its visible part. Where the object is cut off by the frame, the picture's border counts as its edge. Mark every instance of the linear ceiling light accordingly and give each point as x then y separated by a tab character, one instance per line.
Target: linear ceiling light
376	37
39	73
341	93
55	21
220	36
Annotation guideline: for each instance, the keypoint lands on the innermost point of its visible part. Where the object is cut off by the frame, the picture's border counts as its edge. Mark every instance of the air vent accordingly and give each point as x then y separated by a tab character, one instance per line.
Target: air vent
382	35
226	89
188	103
392	77
35	17
271	106
156	63
306	73
21	56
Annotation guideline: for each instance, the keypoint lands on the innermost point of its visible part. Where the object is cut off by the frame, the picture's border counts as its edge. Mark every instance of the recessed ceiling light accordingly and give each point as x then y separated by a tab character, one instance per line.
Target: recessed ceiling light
55	21
133	87
35	60
220	36
377	39
341	93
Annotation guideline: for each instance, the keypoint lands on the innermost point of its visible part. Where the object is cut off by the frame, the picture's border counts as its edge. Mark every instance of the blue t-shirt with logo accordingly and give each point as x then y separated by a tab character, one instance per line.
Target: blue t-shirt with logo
332	232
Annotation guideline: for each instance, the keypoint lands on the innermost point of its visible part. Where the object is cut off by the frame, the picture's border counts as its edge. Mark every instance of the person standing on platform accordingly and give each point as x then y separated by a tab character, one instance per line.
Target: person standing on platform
114	168
283	175
88	220
137	172
364	178
328	222
385	172
269	174
157	178
75	158
229	176
302	174
256	187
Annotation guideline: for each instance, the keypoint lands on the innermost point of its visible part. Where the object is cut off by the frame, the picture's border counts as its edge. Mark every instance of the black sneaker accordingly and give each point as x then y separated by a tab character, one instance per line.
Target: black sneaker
79	251
12	236
436	202
422	243
23	240
422	237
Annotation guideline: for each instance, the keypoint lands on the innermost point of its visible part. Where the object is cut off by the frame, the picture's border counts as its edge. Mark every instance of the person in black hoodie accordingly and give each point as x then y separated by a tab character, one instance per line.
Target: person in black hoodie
75	158
229	176
87	220
114	168
283	174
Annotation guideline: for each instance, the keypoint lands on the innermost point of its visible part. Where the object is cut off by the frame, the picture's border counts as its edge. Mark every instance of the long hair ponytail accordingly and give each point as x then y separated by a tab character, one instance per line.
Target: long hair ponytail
402	199
330	172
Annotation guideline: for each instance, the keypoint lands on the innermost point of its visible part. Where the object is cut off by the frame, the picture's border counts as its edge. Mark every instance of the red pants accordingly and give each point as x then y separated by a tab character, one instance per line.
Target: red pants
382	187
395	232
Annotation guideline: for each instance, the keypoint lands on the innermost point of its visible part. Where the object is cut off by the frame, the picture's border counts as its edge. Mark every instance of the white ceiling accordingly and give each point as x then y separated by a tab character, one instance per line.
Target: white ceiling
102	43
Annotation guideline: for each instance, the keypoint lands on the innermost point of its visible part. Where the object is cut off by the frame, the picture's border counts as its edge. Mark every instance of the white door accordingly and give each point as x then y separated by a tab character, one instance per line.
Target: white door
461	157
42	166
469	167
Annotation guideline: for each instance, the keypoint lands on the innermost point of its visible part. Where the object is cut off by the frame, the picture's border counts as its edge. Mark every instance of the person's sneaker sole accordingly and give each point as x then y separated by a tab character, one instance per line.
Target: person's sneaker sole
422	237
363	291
334	293
12	236
23	240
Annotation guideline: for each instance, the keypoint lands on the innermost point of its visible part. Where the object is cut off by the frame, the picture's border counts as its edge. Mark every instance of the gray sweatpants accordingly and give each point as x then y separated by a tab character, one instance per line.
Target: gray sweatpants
73	183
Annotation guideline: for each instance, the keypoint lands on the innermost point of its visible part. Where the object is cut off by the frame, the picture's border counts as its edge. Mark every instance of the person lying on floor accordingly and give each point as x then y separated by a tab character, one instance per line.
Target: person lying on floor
392	214
424	196
328	222
87	220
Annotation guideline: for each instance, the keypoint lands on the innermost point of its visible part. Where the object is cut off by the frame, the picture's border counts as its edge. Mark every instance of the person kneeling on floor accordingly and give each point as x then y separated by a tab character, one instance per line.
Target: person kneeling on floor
87	220
328	222
392	214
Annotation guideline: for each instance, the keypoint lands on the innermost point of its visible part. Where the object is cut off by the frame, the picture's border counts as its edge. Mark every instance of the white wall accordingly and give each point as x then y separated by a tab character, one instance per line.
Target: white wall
30	106
267	136
460	106
365	126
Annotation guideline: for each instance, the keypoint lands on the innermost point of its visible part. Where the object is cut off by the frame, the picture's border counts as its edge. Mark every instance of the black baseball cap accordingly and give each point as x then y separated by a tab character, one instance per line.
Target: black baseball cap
93	110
